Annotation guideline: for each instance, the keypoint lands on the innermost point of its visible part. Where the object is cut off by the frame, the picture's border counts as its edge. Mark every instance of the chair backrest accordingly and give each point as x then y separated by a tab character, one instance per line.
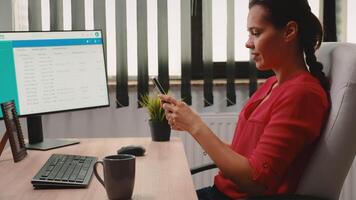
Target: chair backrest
330	163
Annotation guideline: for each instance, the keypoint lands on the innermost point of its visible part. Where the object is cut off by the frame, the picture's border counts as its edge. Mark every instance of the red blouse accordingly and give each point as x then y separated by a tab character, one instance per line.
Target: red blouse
278	136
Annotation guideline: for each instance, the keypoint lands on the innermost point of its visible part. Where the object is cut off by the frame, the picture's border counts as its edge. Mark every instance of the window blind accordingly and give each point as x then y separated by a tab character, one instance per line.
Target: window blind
230	58
163	50
329	21
196	43
142	51
5	15
196	38
34	15
56	15
34	123
186	53
78	15
100	21
207	52
122	97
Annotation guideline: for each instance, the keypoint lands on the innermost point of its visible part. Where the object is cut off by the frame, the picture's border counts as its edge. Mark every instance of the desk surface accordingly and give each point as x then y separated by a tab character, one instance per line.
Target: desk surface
162	174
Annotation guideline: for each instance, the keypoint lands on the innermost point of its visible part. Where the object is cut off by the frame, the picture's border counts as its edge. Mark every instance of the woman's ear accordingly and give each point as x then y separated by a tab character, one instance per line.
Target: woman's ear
291	31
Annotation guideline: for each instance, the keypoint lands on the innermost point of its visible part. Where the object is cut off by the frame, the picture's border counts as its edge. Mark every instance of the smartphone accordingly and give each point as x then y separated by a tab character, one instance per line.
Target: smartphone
158	85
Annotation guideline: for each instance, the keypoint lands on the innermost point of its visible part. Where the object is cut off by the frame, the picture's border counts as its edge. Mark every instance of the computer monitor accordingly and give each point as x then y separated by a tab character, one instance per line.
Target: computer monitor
55	71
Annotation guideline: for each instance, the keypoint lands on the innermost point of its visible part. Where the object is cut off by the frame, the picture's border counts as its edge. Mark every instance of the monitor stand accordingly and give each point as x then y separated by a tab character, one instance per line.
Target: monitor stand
35	137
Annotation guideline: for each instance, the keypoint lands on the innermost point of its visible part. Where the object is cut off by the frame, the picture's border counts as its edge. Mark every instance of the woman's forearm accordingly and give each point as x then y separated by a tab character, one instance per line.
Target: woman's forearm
233	166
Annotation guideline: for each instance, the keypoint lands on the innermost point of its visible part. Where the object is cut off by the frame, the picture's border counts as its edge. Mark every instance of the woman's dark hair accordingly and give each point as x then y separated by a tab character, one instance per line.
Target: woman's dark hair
310	30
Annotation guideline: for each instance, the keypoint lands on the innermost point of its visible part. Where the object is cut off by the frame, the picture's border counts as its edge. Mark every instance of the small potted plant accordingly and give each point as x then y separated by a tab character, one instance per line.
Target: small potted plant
160	129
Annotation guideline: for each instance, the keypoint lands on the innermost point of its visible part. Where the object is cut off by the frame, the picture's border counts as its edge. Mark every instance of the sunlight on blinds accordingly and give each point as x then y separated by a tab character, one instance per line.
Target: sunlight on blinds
45	15
89	14
241	35
131	37
152	44
219	30
351	21
218	23
219	34
315	7
173	31
67	14
174	40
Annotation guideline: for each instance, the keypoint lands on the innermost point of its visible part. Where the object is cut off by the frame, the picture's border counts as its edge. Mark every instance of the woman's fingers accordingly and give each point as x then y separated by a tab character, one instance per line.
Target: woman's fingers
168	99
168	107
166	113
170	118
172	122
177	113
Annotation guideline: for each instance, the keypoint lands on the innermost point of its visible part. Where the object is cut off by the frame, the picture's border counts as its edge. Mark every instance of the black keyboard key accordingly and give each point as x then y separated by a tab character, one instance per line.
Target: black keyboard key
62	171
55	161
55	171
69	172
75	173
87	163
46	174
51	167
63	158
81	175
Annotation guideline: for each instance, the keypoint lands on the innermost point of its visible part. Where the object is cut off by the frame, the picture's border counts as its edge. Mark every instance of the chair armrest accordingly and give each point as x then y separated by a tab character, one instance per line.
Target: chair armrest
286	197
202	168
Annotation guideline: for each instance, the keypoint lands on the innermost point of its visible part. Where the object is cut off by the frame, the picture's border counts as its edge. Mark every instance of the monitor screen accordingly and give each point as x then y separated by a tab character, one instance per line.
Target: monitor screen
46	72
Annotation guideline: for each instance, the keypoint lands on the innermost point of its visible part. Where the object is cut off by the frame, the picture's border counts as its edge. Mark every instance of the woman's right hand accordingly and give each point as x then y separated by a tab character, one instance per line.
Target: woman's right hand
179	115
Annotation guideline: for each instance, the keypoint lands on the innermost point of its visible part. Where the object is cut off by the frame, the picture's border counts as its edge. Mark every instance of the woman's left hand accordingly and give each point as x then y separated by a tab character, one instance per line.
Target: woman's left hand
179	115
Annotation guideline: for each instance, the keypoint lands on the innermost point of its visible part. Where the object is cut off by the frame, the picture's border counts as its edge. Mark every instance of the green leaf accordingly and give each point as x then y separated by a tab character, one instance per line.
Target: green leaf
153	107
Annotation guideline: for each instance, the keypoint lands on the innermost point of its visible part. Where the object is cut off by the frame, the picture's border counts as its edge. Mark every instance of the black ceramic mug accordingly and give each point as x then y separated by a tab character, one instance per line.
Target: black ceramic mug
119	175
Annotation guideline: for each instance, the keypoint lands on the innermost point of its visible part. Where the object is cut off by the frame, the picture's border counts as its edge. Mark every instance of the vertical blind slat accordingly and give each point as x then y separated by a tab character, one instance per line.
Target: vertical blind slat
34	15
329	21
34	24
122	98
196	35
230	63
5	15
207	53
162	26
56	14
142	52
78	14
186	54
100	20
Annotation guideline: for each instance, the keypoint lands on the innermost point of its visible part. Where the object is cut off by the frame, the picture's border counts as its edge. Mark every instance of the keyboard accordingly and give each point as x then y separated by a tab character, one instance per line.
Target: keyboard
65	171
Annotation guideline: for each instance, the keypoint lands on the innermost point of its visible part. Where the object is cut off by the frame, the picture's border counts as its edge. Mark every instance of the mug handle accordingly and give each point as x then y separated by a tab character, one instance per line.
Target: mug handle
96	172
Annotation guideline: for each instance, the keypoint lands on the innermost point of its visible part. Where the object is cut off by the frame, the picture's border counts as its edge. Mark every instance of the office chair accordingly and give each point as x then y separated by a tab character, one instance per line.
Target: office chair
328	167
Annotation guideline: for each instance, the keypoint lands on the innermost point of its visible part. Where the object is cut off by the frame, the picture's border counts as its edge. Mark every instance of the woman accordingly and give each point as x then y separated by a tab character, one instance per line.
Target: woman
281	122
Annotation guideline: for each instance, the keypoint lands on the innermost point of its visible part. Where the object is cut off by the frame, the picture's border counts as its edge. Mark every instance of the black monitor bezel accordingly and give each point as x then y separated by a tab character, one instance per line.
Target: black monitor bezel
106	73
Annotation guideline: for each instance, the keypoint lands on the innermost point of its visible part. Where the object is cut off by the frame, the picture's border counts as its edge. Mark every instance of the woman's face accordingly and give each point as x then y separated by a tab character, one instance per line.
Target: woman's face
265	41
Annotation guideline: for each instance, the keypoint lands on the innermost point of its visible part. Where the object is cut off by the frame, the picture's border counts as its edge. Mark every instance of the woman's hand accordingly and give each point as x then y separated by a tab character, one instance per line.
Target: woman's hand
233	165
179	115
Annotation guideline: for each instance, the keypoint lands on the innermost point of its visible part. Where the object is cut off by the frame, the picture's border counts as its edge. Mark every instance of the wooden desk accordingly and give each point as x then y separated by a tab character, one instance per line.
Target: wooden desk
162	174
